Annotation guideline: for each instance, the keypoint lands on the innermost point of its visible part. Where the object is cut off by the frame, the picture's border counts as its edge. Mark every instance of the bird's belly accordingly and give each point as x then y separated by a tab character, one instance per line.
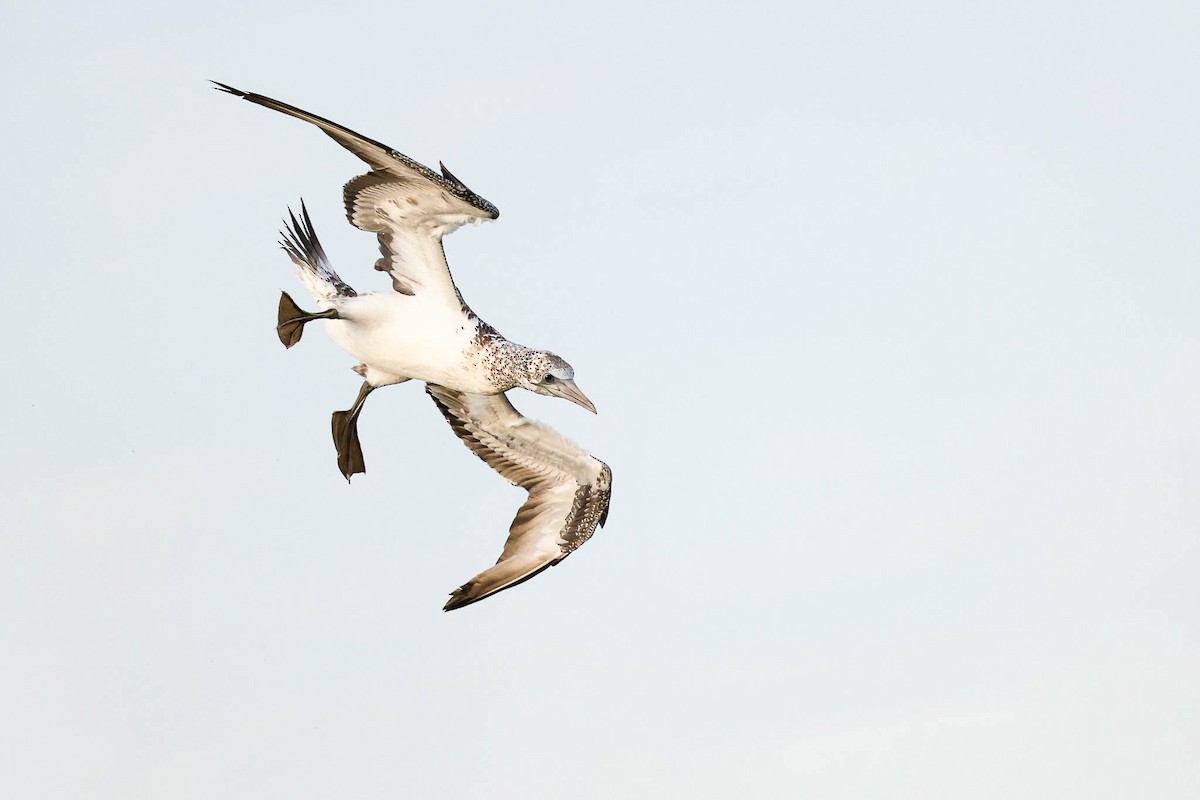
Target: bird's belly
410	341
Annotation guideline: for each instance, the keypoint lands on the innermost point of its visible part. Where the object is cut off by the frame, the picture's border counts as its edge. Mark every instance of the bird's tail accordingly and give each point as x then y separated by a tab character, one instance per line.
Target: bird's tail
301	244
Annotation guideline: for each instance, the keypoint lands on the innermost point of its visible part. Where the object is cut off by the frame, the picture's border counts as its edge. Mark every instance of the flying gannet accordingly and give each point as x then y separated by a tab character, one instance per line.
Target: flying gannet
424	330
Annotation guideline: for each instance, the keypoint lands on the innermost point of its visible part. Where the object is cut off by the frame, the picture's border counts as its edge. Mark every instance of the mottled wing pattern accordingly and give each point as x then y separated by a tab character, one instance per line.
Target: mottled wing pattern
568	489
409	216
377	154
409	206
301	244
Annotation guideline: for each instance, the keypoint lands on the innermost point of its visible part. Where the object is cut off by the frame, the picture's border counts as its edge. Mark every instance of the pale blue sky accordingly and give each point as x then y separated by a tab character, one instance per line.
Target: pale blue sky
890	314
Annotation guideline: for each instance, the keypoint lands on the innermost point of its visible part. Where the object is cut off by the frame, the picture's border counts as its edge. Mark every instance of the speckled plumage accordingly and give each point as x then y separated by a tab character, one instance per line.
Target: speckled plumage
569	490
507	363
424	330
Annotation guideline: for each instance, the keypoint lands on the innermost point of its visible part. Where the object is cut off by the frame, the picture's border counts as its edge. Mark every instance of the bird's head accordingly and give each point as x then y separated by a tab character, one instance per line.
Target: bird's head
546	373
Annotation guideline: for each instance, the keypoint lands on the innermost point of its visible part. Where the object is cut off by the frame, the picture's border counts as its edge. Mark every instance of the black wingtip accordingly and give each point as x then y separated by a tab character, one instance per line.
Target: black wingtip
448	175
457	600
461	597
307	221
224	87
295	222
470	196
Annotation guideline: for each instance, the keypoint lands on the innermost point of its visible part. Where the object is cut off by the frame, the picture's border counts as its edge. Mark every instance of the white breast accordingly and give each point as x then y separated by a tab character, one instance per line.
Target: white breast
405	337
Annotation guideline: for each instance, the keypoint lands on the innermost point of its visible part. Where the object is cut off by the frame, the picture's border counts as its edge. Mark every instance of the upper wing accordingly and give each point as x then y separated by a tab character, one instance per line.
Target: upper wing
408	205
568	489
380	156
409	217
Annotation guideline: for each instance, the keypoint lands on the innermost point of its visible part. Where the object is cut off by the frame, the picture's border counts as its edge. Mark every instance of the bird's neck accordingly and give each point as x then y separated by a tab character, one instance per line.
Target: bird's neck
506	362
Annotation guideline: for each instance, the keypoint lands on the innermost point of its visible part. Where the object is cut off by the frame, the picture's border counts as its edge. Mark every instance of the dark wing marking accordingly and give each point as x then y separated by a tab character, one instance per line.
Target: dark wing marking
407	205
409	217
377	154
302	245
569	490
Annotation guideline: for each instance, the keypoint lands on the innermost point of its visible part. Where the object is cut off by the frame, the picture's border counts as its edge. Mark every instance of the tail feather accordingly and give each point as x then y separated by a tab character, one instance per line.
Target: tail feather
301	244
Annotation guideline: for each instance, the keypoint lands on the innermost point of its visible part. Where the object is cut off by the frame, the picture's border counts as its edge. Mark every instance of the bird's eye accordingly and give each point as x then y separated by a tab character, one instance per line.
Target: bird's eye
548	378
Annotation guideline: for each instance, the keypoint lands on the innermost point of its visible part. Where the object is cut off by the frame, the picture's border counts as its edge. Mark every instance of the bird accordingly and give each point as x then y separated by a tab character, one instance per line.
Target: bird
423	330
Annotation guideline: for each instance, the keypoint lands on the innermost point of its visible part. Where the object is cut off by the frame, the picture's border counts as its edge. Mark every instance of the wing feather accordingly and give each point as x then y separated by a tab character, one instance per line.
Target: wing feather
406	204
377	154
569	490
409	220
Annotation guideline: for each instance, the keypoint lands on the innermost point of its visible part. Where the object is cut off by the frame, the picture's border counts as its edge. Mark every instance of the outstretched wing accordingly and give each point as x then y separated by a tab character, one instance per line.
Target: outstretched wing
379	155
568	489
409	206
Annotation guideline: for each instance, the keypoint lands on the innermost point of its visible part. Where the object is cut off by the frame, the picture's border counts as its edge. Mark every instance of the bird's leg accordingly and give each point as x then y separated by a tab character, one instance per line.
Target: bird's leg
292	319
345	435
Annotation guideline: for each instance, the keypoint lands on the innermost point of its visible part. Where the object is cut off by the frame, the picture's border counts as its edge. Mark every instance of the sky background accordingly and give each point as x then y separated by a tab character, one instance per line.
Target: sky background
890	312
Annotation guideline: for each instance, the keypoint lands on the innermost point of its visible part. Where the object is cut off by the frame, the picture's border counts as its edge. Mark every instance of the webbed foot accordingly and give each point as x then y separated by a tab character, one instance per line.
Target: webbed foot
292	319
345	435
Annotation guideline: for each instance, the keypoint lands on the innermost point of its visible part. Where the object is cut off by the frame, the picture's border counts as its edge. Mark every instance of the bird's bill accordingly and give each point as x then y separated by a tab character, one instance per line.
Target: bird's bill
569	391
